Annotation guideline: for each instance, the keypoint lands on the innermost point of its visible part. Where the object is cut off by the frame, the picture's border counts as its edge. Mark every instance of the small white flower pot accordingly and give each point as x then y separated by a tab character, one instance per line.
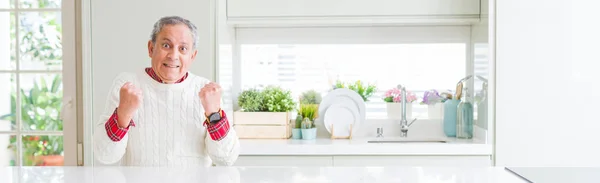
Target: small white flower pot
394	110
435	111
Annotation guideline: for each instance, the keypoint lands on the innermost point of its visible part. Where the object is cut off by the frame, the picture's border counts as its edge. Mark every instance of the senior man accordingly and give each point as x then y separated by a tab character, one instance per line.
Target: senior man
165	115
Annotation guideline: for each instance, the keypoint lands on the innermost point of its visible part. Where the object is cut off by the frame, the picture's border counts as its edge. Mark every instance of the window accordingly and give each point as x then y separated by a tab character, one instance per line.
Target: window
31	72
300	59
480	63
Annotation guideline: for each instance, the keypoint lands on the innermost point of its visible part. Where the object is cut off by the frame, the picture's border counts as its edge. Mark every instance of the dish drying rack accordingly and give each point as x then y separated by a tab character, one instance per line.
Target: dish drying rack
340	137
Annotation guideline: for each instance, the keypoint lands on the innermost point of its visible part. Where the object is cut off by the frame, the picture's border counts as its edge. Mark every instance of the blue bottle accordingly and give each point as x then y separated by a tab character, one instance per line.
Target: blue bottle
450	112
464	120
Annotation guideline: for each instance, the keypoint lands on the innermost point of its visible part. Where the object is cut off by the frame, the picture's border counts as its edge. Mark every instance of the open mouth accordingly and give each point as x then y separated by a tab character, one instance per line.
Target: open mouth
170	66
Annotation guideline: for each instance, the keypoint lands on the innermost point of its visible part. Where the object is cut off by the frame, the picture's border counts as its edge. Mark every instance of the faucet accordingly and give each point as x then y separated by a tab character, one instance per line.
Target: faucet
379	132
403	122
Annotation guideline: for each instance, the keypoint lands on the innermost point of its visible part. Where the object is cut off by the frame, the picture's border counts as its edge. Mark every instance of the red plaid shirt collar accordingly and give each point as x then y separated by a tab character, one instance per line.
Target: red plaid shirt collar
154	76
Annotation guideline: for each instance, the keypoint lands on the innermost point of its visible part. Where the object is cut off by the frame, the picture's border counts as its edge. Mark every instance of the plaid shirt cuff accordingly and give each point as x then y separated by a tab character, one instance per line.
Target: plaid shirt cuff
218	130
114	132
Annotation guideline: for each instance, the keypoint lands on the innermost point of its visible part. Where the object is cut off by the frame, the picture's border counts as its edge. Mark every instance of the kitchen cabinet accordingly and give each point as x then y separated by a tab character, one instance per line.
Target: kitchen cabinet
245	11
412	161
284	161
308	8
370	160
540	46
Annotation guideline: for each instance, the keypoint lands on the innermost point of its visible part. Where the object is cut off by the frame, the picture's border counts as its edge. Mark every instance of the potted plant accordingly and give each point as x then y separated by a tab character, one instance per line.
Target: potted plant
435	103
277	99
308	97
393	99
364	90
309	114
264	113
297	130
251	100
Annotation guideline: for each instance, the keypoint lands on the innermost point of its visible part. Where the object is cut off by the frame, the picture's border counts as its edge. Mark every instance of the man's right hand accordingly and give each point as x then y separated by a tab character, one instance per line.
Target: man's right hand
130	100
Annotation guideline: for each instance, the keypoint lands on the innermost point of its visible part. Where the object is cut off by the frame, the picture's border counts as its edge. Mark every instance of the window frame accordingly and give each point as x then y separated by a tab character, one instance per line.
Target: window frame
69	83
341	35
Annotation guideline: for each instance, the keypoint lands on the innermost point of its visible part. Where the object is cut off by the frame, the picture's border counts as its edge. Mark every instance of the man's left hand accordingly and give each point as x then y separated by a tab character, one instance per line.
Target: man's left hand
210	96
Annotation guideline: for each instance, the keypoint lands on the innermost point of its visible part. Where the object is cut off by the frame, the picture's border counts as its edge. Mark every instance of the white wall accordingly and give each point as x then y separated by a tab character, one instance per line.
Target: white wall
120	31
547	89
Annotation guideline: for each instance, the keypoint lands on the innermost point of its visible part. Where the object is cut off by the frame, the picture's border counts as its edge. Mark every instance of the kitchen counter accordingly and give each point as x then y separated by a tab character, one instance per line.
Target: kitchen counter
258	174
360	146
558	174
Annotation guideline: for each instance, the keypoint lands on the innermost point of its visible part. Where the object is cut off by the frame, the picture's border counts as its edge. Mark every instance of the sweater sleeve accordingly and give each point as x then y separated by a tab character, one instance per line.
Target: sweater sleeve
223	151
106	150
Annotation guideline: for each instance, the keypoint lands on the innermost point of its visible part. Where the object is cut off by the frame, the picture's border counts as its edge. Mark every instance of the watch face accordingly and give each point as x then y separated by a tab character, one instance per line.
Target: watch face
214	117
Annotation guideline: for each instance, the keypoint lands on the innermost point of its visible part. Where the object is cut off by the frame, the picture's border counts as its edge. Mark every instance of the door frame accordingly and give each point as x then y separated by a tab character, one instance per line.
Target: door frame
68	115
70	99
85	89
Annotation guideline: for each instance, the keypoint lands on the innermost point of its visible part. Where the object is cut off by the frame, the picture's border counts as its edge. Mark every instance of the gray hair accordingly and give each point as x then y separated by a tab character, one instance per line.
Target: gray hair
174	20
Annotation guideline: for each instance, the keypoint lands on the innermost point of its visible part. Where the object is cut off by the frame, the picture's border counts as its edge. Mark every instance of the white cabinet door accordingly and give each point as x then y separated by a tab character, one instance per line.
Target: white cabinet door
412	161
284	161
363	161
539	49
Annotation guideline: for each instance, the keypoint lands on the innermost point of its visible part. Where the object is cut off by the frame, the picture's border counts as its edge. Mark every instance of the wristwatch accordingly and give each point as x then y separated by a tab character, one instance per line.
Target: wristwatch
214	117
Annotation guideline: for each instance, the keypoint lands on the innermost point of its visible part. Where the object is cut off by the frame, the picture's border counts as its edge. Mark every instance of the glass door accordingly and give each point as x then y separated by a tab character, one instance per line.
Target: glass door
37	84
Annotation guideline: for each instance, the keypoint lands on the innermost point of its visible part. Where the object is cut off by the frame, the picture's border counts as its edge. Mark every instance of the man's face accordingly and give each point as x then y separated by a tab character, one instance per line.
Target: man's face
172	53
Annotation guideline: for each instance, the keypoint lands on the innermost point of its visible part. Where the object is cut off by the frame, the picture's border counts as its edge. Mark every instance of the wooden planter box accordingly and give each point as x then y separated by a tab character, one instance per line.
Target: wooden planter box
262	125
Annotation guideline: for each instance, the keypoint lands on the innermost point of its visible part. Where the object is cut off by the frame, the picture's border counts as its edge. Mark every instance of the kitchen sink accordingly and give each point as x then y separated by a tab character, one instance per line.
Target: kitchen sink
407	140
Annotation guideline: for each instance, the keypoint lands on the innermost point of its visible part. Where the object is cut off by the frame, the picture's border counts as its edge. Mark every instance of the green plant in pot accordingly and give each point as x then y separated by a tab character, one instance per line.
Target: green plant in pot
297	130
270	99
307	97
276	99
267	107
309	114
251	100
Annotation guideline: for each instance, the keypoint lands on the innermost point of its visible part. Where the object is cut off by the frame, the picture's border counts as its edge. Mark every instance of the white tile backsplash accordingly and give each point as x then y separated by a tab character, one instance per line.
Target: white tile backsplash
391	128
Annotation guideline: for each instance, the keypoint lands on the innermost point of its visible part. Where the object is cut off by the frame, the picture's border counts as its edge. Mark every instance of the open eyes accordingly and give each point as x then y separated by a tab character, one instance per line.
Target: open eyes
183	48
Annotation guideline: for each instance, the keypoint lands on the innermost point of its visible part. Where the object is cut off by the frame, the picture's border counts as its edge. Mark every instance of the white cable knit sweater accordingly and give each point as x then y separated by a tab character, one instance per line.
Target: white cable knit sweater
168	128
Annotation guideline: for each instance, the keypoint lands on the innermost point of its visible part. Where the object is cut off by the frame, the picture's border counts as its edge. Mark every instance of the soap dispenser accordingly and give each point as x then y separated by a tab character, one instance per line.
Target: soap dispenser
464	116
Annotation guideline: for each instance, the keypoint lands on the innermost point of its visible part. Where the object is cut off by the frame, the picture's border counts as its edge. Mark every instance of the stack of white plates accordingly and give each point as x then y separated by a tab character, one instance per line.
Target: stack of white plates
342	108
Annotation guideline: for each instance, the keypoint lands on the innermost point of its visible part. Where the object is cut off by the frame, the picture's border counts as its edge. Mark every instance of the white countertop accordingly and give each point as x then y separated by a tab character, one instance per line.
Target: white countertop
258	174
361	147
558	174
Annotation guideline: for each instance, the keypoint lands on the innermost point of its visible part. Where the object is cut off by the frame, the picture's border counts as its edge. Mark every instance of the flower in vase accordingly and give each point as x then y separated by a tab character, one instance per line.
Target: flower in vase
395	95
432	97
